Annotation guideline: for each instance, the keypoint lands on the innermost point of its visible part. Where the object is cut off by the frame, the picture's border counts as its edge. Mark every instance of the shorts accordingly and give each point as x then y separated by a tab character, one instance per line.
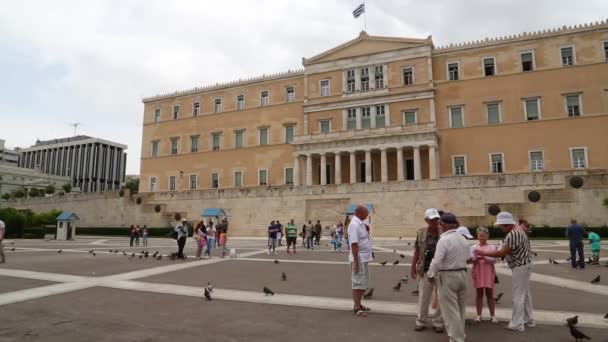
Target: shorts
272	242
360	280
291	240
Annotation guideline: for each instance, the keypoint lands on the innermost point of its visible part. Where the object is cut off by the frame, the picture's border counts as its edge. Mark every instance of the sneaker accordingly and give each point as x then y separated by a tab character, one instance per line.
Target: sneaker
494	320
420	328
509	327
530	324
478	319
268	252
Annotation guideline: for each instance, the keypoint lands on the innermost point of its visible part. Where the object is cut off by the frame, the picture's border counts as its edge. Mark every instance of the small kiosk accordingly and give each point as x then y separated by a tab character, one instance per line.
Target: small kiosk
350	211
66	226
214	213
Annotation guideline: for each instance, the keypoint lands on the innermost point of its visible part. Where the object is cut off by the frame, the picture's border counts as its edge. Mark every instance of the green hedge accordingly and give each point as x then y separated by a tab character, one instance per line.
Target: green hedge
18	221
542	232
122	231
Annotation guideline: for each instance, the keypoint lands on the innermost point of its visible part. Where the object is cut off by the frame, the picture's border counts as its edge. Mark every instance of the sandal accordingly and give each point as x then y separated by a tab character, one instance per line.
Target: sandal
360	312
366	309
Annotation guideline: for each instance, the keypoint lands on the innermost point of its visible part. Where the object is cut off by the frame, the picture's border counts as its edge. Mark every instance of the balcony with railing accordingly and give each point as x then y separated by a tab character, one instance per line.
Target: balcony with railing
428	127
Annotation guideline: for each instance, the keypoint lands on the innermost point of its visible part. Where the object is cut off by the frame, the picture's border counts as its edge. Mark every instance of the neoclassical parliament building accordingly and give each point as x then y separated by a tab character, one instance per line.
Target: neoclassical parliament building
386	109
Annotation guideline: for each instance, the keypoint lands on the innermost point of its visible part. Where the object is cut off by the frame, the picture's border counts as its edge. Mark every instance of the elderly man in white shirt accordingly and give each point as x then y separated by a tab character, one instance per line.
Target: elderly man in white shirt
360	256
448	270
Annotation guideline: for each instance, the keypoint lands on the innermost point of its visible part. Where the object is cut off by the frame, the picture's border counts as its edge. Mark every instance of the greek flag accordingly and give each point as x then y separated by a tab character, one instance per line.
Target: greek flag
359	10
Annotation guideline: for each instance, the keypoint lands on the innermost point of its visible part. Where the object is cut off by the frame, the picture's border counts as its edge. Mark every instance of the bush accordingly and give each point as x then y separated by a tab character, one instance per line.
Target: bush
121	231
67	188
19	194
14	220
34	233
544	232
33	192
6	196
50	189
133	185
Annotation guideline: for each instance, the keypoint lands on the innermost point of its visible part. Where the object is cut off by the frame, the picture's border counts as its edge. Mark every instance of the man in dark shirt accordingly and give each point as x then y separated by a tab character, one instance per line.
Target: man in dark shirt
318	231
273	229
575	233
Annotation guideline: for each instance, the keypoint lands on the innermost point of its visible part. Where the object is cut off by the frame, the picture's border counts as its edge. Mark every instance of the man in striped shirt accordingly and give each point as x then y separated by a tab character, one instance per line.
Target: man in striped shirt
516	249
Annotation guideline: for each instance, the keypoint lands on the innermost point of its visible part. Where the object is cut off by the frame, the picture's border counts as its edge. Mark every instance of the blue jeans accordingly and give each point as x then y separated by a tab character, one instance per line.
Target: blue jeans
577	247
210	245
310	242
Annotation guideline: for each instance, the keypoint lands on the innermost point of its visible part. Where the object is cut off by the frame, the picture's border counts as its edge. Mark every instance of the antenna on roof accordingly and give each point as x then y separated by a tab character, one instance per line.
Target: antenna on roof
75	125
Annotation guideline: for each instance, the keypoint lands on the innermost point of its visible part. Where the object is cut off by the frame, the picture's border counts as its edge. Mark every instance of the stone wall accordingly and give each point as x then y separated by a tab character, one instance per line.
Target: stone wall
399	206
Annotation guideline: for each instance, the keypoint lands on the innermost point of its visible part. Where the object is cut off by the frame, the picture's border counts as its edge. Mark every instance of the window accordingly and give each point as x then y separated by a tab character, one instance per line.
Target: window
215	141
351	118
364	79
240	102
238	179
579	158
456	120
573	105
264	98
172	183
453	73
408	76
365	117
527	61
536	161
194	143
290	94
174	145
409	117
379	76
567	55
350	81
496	163
155	148
153	184
489	66
218	105
196	109
290	132
238	138
459	165
176	112
193	182
157	115
325	126
606	50
289	176
263	177
493	110
215	180
380	116
532	109
264	136
325	88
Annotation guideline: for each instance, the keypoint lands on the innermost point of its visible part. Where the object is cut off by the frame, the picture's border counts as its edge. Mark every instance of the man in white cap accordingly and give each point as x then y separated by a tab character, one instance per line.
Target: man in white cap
516	250
2	231
464	231
424	250
182	235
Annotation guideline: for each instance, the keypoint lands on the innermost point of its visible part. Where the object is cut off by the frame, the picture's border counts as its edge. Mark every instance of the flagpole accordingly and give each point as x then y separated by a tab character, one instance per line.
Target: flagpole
364	17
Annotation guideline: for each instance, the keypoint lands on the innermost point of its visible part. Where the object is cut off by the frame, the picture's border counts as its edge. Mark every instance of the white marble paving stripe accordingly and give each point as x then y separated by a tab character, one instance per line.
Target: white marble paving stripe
393	250
98	242
43	291
342	304
56	277
320	262
583	286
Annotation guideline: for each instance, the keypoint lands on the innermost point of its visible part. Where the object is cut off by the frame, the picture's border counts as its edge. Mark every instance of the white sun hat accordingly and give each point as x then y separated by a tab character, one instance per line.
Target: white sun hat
504	218
431	214
464	231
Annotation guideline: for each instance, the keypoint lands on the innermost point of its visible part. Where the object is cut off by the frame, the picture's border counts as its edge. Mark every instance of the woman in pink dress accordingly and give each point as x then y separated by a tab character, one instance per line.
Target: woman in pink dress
483	274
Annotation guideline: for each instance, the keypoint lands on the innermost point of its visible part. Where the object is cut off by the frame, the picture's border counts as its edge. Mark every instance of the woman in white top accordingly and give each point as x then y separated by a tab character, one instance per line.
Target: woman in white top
210	238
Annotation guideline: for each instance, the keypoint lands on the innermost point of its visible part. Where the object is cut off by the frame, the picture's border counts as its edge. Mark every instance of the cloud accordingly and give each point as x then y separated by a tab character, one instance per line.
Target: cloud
92	61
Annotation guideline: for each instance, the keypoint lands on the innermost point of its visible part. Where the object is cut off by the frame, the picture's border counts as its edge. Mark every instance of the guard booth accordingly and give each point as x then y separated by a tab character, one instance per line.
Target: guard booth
66	226
215	214
350	211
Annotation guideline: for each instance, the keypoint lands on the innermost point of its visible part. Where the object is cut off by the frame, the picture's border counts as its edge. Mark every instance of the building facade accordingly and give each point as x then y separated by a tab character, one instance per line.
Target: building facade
8	156
92	164
13	178
384	109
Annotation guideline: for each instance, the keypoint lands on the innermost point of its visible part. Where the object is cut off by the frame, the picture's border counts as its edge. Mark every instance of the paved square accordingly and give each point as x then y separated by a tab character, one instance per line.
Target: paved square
75	295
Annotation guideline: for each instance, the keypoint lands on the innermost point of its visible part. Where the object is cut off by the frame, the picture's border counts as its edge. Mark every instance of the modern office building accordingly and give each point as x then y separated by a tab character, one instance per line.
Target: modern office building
92	164
8	156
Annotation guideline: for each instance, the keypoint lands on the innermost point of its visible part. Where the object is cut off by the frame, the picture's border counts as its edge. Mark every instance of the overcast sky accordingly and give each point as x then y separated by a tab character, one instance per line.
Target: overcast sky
92	61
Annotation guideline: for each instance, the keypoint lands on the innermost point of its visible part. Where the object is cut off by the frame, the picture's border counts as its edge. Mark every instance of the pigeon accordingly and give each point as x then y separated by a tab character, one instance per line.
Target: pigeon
94	254
110	251
383	263
142	252
146	254
394	251
207	294
155	254
553	261
268	291
396	262
13	249
369	293
577	334
415	293
498	298
496	281
276	261
596	280
59	251
397	287
572	320
124	253
209	287
404	279
91	251
401	237
402	256
534	253
116	251
160	257
284	276
140	256
606	316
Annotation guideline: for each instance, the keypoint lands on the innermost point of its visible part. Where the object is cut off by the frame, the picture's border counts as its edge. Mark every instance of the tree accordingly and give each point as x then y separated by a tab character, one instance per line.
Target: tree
33	192
50	189
606	202
19	194
133	185
6	196
67	188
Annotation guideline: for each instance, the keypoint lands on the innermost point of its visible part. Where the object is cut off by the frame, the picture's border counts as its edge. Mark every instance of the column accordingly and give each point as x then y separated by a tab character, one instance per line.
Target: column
308	170
417	163
400	175
368	166
353	168
296	170
323	169
383	165
432	163
372	116
358	117
338	168
357	79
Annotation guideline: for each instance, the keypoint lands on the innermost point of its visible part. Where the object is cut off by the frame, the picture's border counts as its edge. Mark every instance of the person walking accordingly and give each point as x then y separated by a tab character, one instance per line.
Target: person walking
145	233
424	250
132	233
516	250
223	240
2	233
483	274
199	238
182	235
318	231
594	246
280	233
338	234
575	234
359	258
137	234
210	238
310	239
273	229
291	232
303	235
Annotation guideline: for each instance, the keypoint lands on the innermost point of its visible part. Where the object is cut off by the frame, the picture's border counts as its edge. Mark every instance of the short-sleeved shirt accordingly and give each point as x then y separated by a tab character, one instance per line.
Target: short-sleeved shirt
575	233
520	254
182	231
273	230
594	238
291	230
359	235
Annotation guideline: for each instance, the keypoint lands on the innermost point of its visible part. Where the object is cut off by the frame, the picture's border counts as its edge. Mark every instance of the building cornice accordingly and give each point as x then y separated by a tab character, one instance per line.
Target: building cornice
368	101
73	143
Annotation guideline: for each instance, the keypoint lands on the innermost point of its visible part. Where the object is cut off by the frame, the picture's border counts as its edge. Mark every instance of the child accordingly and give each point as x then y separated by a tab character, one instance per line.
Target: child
483	274
223	238
145	235
594	242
